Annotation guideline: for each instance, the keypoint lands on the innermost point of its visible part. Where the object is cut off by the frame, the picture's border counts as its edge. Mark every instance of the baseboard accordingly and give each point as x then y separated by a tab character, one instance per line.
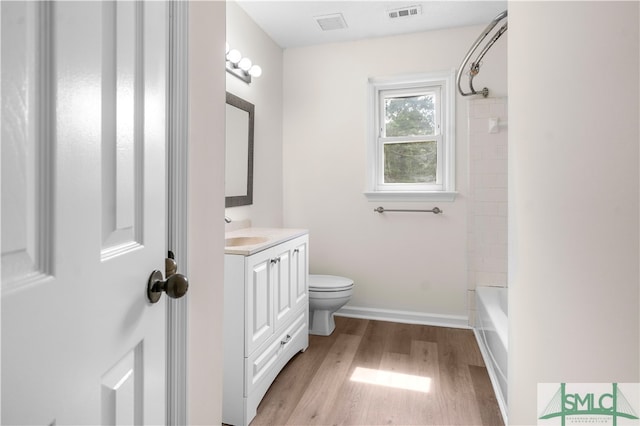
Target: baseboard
406	317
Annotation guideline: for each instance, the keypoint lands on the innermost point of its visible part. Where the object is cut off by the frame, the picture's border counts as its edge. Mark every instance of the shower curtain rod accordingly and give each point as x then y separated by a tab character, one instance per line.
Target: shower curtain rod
475	65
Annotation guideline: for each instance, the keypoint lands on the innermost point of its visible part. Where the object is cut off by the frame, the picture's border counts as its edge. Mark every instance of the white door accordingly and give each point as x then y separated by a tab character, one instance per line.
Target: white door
83	212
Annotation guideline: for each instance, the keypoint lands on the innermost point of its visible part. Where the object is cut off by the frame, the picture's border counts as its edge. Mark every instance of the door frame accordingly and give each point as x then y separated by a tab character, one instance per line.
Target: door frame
194	367
177	190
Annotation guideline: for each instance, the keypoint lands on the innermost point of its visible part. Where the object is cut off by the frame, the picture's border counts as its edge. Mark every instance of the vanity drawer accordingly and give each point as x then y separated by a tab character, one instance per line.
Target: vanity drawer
259	364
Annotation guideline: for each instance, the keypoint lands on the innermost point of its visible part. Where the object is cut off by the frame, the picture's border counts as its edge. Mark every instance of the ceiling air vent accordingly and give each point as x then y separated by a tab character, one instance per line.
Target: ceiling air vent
405	12
331	22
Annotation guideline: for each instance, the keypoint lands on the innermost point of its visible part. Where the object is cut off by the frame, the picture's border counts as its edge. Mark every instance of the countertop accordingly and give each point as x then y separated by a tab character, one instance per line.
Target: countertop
274	237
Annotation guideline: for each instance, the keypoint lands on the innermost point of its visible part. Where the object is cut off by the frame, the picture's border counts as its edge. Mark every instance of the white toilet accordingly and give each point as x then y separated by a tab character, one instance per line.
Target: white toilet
327	294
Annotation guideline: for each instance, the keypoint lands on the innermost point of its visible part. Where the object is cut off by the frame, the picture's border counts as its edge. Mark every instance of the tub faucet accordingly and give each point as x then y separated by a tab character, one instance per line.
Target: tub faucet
227	220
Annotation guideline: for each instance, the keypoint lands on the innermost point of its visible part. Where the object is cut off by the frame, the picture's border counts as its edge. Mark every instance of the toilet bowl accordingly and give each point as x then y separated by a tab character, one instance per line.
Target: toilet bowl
327	294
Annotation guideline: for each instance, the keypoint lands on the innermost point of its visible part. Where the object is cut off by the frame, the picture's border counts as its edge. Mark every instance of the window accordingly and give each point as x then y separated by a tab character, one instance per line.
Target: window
411	143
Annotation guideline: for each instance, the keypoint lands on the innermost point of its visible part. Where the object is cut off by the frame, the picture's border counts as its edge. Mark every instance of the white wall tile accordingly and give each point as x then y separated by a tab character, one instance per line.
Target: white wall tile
487	221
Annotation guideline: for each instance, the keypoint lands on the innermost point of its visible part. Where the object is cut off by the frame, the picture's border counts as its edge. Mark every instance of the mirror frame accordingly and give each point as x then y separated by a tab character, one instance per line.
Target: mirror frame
243	200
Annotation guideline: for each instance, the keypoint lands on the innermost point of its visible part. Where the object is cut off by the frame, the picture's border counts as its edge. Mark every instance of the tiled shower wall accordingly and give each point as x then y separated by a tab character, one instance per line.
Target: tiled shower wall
487	226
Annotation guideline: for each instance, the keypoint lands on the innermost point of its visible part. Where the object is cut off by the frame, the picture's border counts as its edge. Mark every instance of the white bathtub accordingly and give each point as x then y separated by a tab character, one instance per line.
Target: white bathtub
492	333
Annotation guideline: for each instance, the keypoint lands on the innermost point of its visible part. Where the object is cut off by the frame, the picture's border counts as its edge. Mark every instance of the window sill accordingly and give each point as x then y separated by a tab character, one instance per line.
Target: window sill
448	196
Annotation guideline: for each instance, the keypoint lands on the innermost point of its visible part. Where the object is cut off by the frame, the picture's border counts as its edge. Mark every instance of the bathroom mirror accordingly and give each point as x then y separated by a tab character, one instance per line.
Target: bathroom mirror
238	152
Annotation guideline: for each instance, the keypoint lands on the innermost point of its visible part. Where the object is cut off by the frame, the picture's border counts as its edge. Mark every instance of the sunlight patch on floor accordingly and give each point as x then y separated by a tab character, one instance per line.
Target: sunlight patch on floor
391	379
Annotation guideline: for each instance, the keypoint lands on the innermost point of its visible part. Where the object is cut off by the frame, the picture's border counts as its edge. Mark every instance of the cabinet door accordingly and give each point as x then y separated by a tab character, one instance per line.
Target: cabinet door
281	270
300	272
259	301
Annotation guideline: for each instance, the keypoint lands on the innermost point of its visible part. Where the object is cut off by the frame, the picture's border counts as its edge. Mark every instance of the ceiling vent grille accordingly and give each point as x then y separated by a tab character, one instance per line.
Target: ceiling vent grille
331	22
405	12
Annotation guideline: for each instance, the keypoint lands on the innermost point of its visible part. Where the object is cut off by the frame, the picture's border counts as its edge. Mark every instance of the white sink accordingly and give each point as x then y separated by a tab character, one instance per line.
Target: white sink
248	241
244	241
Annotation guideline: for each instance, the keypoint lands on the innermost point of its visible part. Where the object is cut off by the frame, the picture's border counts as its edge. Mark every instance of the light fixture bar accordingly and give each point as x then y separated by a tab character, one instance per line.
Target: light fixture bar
240	66
242	75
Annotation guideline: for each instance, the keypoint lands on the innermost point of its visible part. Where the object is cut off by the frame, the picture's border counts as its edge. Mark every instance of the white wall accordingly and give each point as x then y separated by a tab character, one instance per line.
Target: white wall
206	210
402	261
573	154
265	93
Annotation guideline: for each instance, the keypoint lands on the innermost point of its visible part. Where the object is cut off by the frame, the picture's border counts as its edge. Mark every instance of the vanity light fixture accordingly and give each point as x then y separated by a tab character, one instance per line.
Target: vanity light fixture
241	67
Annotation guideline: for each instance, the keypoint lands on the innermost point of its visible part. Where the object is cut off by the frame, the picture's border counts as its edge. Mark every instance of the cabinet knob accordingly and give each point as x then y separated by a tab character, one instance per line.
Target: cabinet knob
286	340
275	260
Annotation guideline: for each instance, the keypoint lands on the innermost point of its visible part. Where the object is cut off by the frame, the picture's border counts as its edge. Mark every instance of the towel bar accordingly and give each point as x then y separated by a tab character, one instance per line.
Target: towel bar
435	210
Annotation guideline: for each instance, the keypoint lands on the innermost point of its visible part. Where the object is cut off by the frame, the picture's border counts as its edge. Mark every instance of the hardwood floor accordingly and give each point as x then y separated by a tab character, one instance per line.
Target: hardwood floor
316	387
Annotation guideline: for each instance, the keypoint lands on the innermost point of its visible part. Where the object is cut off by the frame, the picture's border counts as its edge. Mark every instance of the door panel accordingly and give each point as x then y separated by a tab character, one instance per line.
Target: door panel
26	153
259	303
122	391
282	284
300	273
83	198
122	103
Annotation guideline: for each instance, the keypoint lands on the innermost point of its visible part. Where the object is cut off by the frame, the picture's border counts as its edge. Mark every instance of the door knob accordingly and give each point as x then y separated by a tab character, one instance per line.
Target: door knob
175	286
170	266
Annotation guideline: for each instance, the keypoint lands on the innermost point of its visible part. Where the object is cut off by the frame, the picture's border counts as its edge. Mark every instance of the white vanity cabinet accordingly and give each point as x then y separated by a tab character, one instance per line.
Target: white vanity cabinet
266	317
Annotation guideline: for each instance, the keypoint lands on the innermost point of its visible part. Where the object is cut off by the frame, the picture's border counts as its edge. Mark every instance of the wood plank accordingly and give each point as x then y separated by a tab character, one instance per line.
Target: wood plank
424	357
390	405
316	387
373	343
487	402
352	407
455	349
402	337
353	326
289	386
462	342
318	400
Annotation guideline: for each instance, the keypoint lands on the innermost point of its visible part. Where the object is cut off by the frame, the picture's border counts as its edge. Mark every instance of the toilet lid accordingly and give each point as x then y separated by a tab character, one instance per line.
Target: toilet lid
329	283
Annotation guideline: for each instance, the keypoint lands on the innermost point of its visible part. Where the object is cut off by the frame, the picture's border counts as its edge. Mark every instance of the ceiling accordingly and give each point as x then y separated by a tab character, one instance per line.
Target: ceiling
292	24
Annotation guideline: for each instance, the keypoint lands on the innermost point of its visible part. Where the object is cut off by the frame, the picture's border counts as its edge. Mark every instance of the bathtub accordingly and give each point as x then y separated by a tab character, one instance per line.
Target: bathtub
491	331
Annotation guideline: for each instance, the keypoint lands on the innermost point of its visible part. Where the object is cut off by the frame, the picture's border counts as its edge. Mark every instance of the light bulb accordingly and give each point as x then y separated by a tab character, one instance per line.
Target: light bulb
234	56
255	71
244	64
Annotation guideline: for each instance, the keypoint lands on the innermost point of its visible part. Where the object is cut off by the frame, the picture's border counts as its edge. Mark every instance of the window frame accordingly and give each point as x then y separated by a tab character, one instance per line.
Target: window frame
381	88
